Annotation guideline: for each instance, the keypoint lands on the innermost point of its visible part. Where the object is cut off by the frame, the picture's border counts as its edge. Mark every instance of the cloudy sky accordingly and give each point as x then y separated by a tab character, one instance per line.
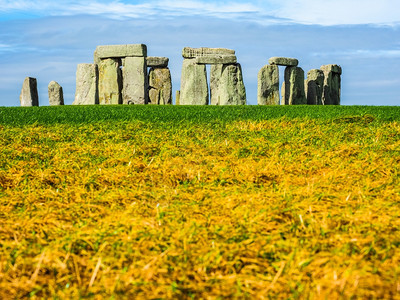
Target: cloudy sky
47	39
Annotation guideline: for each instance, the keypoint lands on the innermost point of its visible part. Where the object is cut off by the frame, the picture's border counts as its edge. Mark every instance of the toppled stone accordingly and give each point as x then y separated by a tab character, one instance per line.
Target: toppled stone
194	87
56	96
119	51
226	85
160	87
110	81
294	86
135	81
283	61
332	84
157	62
87	79
188	52
314	86
268	85
29	93
216	59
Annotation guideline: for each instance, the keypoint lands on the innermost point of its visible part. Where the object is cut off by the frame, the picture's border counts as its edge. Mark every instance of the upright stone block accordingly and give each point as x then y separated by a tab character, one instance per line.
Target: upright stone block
332	84
87	80
294	86
226	85
29	93
110	81
314	86
283	93
268	85
194	86
160	86
56	95
135	81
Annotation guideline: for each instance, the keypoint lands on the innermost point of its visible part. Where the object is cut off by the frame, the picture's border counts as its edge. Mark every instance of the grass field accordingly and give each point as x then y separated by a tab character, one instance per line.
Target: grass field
200	202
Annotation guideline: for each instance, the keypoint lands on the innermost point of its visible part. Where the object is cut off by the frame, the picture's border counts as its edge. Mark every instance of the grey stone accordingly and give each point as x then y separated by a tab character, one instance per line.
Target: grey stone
119	51
157	62
226	85
294	86
56	95
110	81
283	61
194	86
332	84
268	86
283	93
160	86
87	79
314	86
135	81
177	97
29	93
217	59
188	52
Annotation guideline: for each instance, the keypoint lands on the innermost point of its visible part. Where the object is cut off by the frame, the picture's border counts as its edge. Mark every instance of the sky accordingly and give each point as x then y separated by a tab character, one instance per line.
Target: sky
48	39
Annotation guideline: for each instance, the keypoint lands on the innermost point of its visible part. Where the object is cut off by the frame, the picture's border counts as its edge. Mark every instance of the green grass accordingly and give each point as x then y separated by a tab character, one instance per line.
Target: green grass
89	114
152	202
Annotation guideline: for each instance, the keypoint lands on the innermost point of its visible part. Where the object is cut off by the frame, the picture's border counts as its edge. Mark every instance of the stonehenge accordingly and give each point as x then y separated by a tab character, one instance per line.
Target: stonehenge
120	75
124	74
56	96
321	87
29	93
226	80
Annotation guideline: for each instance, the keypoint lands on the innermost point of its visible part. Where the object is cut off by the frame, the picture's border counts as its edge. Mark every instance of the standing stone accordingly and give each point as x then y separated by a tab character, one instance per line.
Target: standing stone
87	79
283	93
160	87
135	81
177	97
56	96
226	85
294	86
314	86
29	93
332	84
268	86
110	81
194	86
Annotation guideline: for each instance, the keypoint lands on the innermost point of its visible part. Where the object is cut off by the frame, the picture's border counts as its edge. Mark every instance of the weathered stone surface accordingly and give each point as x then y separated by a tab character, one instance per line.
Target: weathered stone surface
119	51
332	84
177	97
283	93
216	59
194	86
56	95
314	86
283	61
160	86
135	81
157	62
226	85
87	79
188	52
294	86
110	81
29	93
268	86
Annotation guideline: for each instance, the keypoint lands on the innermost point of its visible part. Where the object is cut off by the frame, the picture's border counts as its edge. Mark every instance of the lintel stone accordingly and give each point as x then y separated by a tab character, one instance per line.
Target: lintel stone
119	51
188	52
217	60
157	62
283	61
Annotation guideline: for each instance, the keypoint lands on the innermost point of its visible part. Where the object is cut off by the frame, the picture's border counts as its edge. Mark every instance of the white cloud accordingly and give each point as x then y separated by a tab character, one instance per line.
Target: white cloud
340	12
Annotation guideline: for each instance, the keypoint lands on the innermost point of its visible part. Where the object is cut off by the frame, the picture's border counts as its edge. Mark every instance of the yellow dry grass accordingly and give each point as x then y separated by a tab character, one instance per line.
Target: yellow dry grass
251	209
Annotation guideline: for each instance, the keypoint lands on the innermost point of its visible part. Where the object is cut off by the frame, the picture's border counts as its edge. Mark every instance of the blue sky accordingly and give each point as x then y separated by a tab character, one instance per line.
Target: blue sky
47	39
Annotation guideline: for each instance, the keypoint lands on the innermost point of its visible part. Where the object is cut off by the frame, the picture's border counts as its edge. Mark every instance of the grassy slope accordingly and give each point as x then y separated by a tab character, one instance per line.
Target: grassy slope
207	202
